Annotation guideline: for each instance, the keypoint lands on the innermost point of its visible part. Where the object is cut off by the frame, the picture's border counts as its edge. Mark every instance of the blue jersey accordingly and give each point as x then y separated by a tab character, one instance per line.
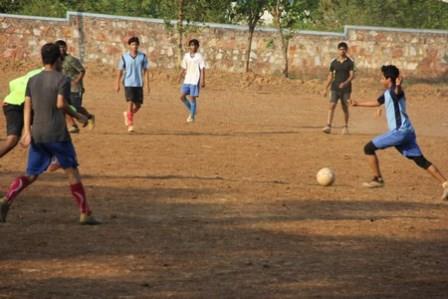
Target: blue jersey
133	68
395	106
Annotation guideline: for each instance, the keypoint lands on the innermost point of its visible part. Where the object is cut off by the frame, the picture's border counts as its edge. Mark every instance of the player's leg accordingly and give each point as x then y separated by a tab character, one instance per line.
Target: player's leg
193	109
374	164
38	161
66	155
345	108
412	151
14	126
334	96
184	93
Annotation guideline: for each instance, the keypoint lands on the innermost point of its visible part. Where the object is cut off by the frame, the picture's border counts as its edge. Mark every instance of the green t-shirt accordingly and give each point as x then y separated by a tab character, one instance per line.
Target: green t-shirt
72	67
17	88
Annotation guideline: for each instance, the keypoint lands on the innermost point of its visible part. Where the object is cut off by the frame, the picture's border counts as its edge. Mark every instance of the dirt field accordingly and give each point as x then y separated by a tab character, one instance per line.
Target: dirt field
228	207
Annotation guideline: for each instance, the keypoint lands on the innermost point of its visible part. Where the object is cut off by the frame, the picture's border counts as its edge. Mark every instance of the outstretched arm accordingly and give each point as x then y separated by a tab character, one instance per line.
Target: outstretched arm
366	104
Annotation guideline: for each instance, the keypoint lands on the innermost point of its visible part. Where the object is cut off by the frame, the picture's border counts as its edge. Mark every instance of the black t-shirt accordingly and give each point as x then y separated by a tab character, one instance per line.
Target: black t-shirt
341	72
48	121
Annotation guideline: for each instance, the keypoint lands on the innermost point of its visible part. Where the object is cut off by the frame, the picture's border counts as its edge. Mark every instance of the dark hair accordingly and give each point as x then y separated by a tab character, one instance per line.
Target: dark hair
134	39
61	43
194	42
50	53
343	45
390	71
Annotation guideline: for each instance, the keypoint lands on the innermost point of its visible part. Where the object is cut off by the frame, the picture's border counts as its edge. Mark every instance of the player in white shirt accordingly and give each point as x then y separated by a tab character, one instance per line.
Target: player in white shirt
193	72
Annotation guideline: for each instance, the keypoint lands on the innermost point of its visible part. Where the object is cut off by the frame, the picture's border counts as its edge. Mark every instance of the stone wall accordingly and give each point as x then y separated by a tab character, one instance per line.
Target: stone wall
100	39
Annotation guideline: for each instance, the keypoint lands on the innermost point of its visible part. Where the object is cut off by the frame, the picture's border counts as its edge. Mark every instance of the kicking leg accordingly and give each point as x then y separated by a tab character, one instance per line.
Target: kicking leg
17	186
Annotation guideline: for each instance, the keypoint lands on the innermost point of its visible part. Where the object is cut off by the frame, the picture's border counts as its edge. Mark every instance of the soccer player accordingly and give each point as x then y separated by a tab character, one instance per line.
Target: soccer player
133	65
193	72
72	68
13	110
340	78
401	133
47	136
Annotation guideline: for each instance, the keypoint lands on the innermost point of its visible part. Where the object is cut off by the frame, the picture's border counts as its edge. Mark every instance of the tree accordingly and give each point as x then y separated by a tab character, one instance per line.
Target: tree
249	11
289	14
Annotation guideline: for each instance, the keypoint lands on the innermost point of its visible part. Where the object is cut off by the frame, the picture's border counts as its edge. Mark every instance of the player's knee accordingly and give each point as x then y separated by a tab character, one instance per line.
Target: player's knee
370	148
421	162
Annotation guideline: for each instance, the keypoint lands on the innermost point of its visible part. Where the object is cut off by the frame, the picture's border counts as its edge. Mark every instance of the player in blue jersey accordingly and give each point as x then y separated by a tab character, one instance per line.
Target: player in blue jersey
401	133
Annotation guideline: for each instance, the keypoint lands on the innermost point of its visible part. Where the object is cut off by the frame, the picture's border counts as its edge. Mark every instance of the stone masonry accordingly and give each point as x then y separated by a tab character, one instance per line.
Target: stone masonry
100	39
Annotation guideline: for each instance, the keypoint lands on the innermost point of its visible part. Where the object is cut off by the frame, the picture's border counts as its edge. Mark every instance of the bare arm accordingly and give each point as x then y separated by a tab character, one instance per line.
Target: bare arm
328	83
146	75
202	77
366	104
26	137
182	75
61	103
349	79
118	81
79	77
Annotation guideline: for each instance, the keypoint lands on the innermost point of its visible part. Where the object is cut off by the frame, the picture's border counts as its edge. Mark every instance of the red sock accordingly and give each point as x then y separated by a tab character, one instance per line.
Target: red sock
80	197
130	118
16	187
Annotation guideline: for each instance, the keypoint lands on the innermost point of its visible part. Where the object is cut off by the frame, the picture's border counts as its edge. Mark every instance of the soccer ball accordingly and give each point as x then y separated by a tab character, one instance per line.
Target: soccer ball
325	177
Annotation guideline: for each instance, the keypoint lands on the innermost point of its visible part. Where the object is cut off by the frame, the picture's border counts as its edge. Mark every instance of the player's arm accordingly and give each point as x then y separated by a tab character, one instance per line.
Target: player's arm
202	81
398	87
61	103
81	70
118	80
146	76
26	136
328	83
377	103
351	76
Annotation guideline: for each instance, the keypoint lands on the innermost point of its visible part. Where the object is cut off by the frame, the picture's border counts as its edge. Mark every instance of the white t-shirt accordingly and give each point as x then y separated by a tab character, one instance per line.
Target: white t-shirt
193	66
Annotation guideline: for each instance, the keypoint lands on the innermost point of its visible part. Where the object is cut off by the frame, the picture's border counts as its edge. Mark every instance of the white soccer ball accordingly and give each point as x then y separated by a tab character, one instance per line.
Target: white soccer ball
325	177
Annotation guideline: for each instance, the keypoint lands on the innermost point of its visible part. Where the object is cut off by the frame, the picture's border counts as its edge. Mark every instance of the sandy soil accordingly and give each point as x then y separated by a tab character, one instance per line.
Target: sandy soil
228	207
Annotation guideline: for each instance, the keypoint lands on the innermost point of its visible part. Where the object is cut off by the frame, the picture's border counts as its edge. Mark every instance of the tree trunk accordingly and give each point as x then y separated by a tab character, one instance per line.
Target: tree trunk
180	31
277	14
249	46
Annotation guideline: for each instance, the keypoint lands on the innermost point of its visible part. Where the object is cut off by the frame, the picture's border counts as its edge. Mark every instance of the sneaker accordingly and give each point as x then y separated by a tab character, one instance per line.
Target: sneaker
4	208
73	130
91	122
190	119
327	129
345	131
125	115
445	191
85	219
130	129
374	183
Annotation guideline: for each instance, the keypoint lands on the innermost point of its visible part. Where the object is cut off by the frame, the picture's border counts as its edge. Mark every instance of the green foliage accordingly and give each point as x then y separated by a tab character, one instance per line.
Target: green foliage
248	11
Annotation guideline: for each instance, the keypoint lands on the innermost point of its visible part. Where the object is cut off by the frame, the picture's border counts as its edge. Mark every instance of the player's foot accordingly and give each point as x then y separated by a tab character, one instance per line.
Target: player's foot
91	122
85	219
73	130
445	191
126	121
190	119
376	182
130	129
4	208
327	129
345	131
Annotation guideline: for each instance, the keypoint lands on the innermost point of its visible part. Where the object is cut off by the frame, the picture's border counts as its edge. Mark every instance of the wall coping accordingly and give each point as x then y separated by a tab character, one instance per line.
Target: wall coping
347	28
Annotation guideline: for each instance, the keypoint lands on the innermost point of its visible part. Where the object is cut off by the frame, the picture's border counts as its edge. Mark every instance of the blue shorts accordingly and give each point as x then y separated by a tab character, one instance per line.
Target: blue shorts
190	89
404	141
40	155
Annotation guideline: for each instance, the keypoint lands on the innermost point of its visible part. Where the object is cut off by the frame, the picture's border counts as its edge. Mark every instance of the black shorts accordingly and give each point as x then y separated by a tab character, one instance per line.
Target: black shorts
14	119
134	94
336	95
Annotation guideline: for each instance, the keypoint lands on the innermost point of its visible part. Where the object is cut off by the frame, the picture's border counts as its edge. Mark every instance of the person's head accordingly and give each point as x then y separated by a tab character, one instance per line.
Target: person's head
193	45
51	55
342	48
390	74
133	43
62	46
